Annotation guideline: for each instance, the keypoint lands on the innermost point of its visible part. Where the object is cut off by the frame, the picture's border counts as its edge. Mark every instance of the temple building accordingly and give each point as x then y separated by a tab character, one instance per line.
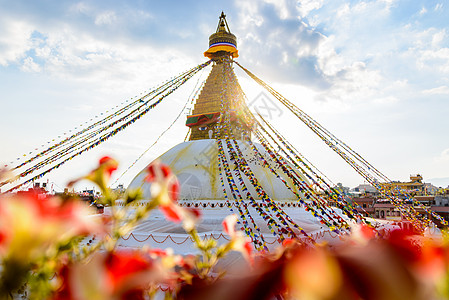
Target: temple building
199	166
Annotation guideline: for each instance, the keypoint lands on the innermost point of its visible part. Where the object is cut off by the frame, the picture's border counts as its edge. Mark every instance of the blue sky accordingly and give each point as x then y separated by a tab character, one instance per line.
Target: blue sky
375	73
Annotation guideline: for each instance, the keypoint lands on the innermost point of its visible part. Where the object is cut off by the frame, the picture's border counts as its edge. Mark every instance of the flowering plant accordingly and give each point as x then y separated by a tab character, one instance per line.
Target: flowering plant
44	254
58	248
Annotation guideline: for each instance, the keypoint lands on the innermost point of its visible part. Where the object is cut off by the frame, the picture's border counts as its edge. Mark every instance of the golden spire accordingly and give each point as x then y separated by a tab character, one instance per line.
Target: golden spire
222	42
221	92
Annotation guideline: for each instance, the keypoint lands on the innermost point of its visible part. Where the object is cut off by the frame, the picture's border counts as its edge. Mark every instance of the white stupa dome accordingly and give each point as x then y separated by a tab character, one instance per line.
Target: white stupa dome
195	163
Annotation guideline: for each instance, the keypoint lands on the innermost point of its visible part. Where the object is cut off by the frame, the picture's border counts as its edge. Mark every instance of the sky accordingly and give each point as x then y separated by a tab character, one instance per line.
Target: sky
374	73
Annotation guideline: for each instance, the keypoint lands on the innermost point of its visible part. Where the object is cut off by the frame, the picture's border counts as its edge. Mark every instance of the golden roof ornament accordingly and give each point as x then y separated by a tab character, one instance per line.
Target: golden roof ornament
222	42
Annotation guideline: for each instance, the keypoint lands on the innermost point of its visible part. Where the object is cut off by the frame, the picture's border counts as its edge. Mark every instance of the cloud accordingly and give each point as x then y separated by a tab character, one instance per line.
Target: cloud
14	40
433	59
352	83
80	7
389	100
333	49
438	37
278	44
282	48
302	47
30	66
444	156
282	8
423	11
392	46
425	51
70	51
306	6
441	90
106	18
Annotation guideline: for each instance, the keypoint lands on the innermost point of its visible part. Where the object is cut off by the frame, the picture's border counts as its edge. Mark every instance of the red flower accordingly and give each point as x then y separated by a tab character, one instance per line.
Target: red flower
164	191
31	224
101	175
2	237
114	275
405	243
164	184
110	164
172	212
238	241
154	253
367	232
229	225
158	171
289	243
362	234
124	265
175	213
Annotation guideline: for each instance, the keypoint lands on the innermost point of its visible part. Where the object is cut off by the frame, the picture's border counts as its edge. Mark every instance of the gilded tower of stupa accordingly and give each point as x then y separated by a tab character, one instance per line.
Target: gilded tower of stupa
221	95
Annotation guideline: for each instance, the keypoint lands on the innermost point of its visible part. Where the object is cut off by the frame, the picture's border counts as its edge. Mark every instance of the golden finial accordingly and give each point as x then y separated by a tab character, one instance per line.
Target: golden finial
222	42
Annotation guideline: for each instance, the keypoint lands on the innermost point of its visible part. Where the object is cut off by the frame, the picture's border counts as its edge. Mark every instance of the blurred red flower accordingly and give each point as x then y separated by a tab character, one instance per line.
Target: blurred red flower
30	224
121	274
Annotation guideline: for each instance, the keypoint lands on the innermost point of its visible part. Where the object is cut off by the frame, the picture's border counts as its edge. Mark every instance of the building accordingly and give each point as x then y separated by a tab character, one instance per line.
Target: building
217	125
414	187
430	189
366	189
441	206
119	190
384	210
364	205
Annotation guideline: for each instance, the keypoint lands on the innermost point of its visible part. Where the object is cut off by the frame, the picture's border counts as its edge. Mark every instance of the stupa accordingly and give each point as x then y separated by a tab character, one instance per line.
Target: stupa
201	170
